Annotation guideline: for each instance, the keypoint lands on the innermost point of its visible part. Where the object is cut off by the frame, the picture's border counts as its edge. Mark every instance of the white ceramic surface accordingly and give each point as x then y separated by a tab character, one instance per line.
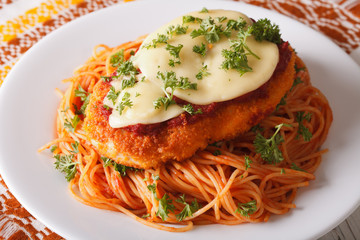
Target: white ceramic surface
28	104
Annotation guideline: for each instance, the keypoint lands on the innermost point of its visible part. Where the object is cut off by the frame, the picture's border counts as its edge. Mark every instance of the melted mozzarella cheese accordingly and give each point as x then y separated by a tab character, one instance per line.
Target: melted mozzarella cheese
216	86
220	85
142	110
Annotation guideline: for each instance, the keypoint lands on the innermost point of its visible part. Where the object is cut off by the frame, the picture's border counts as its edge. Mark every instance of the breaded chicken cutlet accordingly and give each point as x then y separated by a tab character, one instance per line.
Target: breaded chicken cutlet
177	138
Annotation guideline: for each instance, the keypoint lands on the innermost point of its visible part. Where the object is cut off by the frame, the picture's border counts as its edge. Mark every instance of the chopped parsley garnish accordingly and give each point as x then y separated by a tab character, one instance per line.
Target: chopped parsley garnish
202	73
66	165
257	128
297	81
221	19
172	82
146	215
165	206
128	82
80	92
117	58
212	32
297	69
53	148
190	109
152	188
178	29
191	19
209	30
127	69
235	25
263	29
113	95
155	177
125	102
188	210
236	57
161	38
248	161
296	167
163	101
175	53
302	129
107	161
281	103
204	10
246	209
85	98
77	111
200	49
72	124
75	147
269	148
106	79
118	167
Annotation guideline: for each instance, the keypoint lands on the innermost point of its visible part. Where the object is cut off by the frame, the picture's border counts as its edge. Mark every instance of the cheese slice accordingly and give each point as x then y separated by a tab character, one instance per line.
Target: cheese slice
220	85
142	110
217	84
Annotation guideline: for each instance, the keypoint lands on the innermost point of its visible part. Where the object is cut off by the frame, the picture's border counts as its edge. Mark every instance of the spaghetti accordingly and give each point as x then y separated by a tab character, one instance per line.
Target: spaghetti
225	180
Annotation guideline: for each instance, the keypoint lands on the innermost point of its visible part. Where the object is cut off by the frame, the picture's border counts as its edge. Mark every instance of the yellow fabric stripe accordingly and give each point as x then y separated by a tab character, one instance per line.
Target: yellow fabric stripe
32	17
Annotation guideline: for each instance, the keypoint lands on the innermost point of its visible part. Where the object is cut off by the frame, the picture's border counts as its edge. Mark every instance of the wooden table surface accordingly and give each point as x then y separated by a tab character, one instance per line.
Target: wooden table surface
347	230
23	23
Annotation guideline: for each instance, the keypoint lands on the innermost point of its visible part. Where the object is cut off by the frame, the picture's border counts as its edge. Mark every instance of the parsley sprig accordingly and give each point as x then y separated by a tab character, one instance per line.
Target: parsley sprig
75	146
190	109
191	19
263	29
170	81
125	102
248	161
113	95
296	167
269	148
297	81
188	210
84	96
200	49
236	56
175	53
129	71
161	38
122	169
302	129
117	58
213	29
165	207
246	209
72	124
178	30
202	73
164	38
66	165
209	30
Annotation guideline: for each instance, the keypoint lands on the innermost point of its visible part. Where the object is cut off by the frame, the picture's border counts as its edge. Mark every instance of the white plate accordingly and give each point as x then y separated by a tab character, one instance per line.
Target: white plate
28	103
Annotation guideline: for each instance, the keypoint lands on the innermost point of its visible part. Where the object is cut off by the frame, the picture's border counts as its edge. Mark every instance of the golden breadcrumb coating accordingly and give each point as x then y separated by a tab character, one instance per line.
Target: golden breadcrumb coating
181	141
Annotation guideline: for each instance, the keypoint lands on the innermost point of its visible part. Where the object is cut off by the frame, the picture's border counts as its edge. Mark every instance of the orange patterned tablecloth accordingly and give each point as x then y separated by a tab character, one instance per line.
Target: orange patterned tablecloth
24	22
